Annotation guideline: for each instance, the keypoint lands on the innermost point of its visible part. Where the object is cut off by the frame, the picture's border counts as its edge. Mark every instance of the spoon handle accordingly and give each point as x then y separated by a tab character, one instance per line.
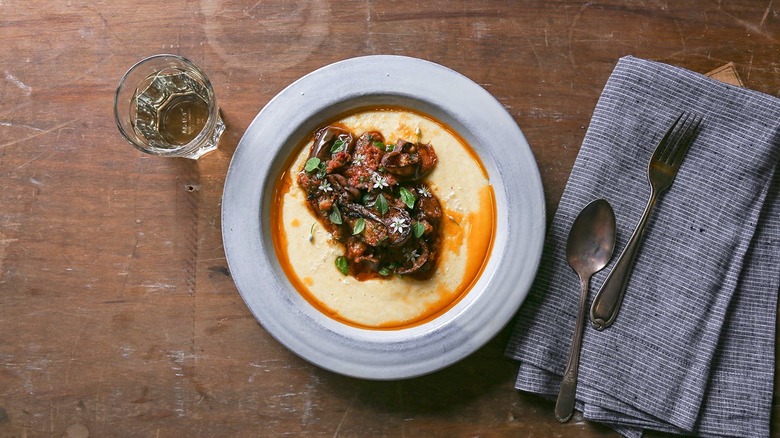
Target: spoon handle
606	304
564	406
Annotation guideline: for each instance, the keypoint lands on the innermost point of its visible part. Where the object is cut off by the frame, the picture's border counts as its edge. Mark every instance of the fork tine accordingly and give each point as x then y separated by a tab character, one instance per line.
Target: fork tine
677	131
661	151
686	138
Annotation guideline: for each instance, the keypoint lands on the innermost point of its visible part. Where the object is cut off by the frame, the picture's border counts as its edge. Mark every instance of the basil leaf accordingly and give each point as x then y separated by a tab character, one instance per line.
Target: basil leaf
342	265
338	146
407	197
418	229
381	204
335	215
312	164
360	225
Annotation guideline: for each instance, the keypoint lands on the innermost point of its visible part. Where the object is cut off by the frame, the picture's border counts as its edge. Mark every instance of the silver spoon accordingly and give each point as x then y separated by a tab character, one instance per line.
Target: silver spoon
588	249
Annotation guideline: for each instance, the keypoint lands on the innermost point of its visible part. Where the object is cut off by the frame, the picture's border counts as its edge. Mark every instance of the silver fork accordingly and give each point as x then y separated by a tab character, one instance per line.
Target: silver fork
661	171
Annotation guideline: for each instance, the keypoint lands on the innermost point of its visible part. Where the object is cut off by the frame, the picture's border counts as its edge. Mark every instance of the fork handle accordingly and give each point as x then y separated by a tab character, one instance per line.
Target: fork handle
606	304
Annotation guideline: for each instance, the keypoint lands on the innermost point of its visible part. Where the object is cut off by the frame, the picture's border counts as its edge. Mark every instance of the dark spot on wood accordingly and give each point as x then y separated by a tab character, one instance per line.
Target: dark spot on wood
220	270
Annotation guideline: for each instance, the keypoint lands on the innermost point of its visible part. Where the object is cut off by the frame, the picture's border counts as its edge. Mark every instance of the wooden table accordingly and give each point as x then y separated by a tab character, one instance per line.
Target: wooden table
118	316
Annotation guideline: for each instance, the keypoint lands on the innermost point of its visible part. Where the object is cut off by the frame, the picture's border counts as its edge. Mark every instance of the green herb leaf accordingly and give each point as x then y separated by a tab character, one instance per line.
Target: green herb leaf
335	215
312	164
311	232
381	204
380	145
407	197
338	146
359	226
323	170
342	265
418	229
387	270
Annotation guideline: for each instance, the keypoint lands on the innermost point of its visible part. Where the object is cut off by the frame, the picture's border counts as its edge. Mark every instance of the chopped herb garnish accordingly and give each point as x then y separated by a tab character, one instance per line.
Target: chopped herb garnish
322	170
387	270
311	232
418	229
342	265
335	215
312	164
338	146
379	145
381	204
407	197
359	226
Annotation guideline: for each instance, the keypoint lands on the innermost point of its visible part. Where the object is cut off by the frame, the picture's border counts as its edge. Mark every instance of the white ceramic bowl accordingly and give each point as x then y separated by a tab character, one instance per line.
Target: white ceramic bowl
383	81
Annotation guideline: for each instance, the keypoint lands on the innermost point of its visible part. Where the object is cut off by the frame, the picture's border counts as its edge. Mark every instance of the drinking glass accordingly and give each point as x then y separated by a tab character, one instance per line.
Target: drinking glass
165	106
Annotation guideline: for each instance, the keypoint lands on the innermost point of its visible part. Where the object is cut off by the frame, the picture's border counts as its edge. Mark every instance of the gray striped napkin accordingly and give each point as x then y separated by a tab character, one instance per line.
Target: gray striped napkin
692	350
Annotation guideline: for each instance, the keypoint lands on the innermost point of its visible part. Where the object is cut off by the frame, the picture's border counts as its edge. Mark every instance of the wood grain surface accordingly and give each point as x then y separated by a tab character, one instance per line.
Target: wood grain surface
118	316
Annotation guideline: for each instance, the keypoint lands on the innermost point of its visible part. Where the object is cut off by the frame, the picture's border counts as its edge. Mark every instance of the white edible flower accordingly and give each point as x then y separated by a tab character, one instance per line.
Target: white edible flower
411	255
399	225
378	181
424	191
325	186
358	159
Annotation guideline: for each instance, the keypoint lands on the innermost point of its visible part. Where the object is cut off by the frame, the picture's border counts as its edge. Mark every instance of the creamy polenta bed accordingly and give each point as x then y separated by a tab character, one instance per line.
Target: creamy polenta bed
383	219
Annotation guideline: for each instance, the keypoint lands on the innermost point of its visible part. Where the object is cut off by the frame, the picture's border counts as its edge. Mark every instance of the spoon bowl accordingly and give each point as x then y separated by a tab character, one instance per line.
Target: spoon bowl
591	239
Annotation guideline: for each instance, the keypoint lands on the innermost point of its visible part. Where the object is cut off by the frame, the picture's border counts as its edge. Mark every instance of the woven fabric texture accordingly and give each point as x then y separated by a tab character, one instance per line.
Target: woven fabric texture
692	349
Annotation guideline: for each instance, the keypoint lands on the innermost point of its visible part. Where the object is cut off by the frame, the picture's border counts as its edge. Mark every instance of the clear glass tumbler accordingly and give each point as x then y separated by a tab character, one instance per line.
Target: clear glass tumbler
165	106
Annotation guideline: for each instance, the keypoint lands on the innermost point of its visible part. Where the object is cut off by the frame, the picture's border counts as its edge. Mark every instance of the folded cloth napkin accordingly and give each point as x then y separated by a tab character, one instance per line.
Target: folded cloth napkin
692	349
